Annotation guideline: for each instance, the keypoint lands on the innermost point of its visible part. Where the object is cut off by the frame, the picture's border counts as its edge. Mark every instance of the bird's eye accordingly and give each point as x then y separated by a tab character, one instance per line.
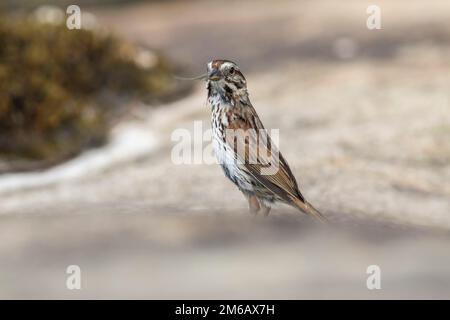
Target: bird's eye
231	71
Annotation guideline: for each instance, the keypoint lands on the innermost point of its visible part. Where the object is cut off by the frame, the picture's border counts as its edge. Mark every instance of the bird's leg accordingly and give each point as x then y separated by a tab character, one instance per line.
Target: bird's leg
253	205
265	209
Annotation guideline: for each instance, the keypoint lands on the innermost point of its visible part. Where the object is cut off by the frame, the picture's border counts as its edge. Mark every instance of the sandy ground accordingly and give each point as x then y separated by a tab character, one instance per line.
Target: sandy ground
364	122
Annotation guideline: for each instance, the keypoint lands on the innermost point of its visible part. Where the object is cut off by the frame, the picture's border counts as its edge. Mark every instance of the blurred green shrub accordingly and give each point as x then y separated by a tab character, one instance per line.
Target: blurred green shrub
60	88
32	4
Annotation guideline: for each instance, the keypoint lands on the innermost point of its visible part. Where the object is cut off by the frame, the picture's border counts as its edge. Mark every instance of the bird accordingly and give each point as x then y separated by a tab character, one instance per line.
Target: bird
242	146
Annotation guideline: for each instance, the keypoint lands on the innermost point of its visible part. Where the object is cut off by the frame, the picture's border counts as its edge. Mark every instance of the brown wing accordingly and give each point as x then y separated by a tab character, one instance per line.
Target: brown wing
257	154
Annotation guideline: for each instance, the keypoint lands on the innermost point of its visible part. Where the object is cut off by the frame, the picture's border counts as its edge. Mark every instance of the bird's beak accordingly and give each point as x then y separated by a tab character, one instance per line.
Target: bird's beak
214	75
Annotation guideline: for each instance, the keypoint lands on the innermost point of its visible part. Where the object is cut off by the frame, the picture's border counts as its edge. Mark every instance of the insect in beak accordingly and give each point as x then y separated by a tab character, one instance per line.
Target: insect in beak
214	75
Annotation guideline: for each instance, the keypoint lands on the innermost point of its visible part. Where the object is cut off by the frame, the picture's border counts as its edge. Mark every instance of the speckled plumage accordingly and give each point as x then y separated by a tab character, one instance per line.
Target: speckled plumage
242	147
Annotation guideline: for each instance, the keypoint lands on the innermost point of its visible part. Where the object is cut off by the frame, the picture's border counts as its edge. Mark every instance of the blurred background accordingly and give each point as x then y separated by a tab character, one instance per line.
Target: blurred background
87	179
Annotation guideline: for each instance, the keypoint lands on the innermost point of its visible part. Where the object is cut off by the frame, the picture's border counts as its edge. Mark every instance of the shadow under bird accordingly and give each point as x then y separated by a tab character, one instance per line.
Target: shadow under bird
243	148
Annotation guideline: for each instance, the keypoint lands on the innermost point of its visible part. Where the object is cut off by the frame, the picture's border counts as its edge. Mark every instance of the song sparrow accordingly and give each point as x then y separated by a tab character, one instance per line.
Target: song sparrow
242	146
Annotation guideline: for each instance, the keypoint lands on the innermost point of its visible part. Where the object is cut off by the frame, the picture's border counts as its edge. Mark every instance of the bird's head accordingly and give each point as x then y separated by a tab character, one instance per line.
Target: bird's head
225	75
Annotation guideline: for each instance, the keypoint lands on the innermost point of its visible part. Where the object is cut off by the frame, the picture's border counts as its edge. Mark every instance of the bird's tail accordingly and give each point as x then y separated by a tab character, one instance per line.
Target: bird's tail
307	208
